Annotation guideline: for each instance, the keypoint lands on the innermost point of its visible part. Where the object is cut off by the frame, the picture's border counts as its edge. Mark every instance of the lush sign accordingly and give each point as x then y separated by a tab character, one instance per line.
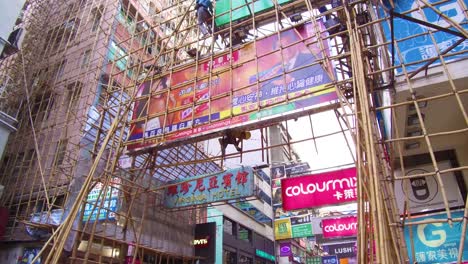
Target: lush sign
436	242
339	227
342	250
231	184
264	81
319	189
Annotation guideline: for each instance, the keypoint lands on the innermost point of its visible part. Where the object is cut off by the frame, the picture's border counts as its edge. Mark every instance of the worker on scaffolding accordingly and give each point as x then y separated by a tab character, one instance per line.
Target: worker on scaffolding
234	137
204	15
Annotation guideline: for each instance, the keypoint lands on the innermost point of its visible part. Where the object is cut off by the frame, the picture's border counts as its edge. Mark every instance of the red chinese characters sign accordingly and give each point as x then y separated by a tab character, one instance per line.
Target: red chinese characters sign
339	227
228	185
321	189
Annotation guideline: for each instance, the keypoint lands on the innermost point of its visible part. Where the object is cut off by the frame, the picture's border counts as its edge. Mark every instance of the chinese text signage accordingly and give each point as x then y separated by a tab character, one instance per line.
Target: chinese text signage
291	228
231	184
109	205
319	189
339	227
415	47
436	242
282	229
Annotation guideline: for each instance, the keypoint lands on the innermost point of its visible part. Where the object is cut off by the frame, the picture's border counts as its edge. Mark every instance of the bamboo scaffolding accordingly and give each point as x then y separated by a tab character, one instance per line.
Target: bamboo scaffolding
73	77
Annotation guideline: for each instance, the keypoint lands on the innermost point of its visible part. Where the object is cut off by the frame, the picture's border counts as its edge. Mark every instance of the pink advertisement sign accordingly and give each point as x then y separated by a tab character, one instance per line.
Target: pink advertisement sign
339	227
321	189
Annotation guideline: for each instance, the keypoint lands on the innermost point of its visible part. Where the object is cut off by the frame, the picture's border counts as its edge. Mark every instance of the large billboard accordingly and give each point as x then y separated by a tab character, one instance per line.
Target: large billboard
228	185
435	242
321	189
415	47
247	86
229	10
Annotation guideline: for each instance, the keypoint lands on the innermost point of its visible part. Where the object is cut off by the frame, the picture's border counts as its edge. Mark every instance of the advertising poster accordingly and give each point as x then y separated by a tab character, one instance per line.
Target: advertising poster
339	227
424	193
436	242
228	185
111	198
285	249
278	172
416	48
301	226
283	229
208	98
321	189
28	256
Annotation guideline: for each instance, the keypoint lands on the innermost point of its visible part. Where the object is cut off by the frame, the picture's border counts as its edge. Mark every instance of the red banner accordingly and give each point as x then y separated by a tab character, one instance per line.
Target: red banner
339	227
321	189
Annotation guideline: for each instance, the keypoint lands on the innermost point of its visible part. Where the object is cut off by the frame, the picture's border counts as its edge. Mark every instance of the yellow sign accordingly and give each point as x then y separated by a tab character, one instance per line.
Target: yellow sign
283	229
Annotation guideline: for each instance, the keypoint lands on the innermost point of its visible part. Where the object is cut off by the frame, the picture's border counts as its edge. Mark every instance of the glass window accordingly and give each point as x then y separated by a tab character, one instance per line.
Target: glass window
244	234
228	226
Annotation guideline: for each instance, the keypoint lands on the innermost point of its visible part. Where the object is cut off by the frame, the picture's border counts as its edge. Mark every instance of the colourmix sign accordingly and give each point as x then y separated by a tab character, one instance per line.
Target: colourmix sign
267	79
321	189
339	227
228	185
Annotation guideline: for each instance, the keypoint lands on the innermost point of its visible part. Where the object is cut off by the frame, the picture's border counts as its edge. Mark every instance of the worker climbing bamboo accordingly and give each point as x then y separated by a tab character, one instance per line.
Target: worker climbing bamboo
204	16
234	137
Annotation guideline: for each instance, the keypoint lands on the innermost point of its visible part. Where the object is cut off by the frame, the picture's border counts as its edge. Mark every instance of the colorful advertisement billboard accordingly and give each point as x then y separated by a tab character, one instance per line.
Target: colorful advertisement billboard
339	227
436	242
109	207
267	78
321	189
416	47
228	185
294	227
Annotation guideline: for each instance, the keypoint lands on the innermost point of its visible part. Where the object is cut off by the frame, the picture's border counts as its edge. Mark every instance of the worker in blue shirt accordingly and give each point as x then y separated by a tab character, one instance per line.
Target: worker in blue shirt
204	15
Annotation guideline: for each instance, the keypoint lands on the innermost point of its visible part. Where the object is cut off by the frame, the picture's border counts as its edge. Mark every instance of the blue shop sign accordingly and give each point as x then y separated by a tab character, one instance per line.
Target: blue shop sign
420	48
436	242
